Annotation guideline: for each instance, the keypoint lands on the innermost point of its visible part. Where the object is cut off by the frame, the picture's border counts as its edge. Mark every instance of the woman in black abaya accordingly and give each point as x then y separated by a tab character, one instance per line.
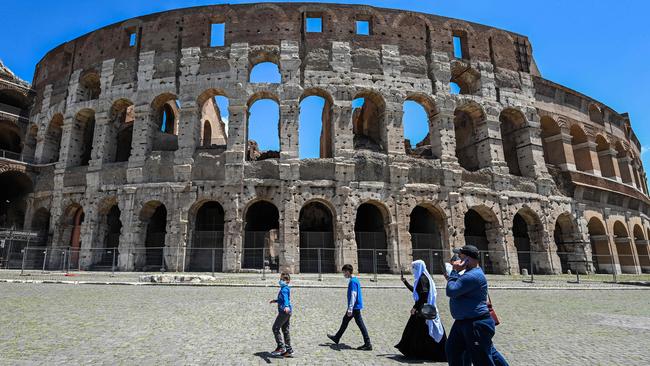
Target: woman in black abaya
423	339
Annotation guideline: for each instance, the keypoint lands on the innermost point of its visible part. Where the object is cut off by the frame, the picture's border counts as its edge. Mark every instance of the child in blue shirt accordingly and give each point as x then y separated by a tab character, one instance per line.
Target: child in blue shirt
282	320
355	304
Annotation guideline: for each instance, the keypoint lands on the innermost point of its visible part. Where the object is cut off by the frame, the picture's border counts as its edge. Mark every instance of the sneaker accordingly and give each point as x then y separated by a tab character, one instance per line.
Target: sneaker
365	347
333	338
278	352
288	354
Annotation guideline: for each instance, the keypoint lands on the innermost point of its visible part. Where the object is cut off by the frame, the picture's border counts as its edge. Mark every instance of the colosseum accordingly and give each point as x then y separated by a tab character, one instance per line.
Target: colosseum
119	154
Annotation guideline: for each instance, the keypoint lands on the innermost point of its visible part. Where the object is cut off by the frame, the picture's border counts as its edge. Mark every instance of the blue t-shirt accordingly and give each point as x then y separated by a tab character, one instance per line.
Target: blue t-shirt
467	294
354	285
284	297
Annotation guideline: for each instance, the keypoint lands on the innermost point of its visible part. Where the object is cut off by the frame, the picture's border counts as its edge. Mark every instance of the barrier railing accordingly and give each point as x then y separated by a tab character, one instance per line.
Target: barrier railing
526	264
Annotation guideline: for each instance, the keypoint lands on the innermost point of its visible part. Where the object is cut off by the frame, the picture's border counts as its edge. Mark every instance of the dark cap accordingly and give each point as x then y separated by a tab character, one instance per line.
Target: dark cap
468	250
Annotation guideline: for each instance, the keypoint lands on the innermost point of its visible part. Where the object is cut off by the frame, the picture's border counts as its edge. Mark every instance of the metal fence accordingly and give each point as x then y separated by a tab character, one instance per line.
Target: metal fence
203	258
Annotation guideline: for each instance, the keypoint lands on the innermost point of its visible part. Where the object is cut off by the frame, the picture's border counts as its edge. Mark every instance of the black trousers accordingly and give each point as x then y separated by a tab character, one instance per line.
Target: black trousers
282	322
356	314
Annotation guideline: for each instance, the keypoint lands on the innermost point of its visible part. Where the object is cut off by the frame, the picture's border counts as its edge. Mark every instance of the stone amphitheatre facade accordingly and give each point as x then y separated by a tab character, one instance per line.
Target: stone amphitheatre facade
124	146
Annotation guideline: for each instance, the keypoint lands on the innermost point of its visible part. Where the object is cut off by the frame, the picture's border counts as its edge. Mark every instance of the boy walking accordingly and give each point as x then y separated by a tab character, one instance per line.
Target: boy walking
282	320
355	304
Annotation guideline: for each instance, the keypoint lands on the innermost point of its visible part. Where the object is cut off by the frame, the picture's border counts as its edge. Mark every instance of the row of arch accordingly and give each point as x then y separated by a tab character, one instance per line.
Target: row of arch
317	225
571	148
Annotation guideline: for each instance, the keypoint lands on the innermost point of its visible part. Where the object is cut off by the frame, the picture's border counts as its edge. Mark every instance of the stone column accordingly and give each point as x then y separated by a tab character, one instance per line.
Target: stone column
142	143
289	120
90	240
233	240
189	131
394	136
488	146
131	242
443	138
587	153
500	252
530	152
289	233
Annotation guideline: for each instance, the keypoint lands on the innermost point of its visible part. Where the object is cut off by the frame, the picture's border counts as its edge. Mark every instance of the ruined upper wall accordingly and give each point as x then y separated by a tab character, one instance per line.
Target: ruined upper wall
268	23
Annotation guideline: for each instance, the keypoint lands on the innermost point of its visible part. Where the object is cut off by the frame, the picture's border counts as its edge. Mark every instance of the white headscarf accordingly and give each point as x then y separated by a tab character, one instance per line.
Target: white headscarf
435	325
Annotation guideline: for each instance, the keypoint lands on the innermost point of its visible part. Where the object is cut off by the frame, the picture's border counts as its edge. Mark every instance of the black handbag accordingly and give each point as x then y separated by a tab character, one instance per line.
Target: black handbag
428	312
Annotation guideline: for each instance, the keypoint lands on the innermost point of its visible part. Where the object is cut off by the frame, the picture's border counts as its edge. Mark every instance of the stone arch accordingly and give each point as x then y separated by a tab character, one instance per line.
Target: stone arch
261	235
368	121
423	147
10	139
482	229
528	233
89	87
581	149
567	241
310	102
109	230
371	233
605	161
595	113
600	249
213	119
81	144
427	228
153	217
120	131
16	187
413	32
552	141
316	225
72	221
642	248
207	240
624	248
513	124
278	12
31	139
466	77
262	107
51	144
467	118
165	114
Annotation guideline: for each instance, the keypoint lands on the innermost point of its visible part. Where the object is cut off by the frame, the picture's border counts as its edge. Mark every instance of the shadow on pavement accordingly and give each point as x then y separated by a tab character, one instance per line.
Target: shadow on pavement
266	356
336	347
402	359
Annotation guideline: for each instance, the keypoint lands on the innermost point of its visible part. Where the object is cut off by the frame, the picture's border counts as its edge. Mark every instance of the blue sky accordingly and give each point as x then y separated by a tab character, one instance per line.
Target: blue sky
600	48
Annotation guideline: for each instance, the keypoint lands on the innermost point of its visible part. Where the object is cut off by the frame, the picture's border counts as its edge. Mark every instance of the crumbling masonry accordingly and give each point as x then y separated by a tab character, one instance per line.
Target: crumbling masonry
125	147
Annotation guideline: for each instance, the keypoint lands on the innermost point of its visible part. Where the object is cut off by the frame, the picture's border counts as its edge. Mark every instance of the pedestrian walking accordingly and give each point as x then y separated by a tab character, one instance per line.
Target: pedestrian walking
282	321
355	305
471	335
424	337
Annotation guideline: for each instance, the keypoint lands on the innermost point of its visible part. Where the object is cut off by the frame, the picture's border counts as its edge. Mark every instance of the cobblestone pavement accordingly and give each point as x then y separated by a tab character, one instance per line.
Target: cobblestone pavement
130	325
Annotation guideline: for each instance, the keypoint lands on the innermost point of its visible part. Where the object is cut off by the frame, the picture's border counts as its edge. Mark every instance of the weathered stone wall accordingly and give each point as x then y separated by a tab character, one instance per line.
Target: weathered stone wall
408	56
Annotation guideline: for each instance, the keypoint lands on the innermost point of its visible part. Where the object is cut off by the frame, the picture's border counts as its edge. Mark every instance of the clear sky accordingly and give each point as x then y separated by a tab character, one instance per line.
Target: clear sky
598	47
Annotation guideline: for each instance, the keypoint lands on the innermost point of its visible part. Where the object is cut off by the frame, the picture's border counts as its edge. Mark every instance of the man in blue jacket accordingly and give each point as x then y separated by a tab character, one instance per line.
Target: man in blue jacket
355	304
473	329
282	320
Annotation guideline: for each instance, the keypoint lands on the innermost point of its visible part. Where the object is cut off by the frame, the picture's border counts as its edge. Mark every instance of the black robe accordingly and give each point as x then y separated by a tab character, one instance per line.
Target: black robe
416	343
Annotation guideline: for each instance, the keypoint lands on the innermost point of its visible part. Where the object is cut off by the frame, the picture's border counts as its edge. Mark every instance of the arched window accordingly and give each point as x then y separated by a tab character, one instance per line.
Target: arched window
512	123
316	239
89	87
263	130
265	72
368	122
417	140
370	233
165	111
261	235
552	141
10	140
13	205
52	140
120	132
466	119
581	149
214	117
81	143
315	128
623	160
